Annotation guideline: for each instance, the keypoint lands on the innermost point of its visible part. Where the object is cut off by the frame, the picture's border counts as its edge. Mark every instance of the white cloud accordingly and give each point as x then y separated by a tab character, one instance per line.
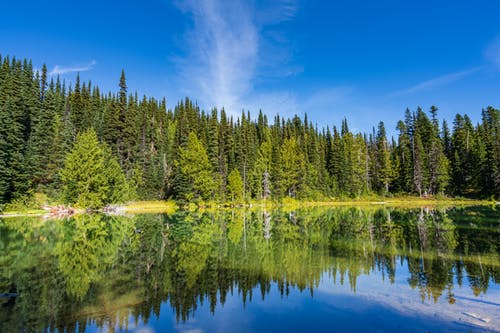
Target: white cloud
225	53
59	70
437	82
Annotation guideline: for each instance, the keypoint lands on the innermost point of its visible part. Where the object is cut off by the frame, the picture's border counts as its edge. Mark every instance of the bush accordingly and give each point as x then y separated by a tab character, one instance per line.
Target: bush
29	201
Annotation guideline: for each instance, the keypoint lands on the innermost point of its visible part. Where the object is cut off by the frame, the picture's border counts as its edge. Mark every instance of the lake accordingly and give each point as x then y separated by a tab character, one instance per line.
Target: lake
346	269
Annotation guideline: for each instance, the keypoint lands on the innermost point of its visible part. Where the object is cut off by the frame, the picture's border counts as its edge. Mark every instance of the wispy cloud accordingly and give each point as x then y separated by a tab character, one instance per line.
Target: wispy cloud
437	82
60	70
326	98
193	330
284	103
325	101
492	53
224	49
145	329
276	11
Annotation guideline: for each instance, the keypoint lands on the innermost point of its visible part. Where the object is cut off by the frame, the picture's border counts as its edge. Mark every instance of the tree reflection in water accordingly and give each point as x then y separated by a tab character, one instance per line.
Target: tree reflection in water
102	269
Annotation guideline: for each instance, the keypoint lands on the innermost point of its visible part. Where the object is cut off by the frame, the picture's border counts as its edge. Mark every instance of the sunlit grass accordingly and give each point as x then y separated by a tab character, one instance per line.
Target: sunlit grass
162	206
403	201
157	206
22	212
291	203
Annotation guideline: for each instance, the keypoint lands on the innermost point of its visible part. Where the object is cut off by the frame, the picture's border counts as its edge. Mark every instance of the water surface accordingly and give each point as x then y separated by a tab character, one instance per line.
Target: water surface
322	270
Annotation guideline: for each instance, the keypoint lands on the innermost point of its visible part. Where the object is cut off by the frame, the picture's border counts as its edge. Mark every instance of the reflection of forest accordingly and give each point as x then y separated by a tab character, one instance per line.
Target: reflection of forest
102	269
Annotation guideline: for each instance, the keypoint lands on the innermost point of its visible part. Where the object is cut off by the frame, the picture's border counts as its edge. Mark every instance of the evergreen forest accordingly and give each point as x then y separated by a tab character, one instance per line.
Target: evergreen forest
83	146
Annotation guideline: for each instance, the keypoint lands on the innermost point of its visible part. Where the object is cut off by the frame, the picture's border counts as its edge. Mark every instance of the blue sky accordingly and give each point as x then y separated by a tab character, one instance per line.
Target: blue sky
366	60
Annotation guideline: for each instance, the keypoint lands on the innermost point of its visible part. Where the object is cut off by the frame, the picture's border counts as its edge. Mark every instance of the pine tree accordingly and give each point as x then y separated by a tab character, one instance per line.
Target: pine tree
118	187
292	168
446	139
42	137
14	178
260	176
122	118
462	152
418	164
383	168
7	138
345	171
404	171
43	83
195	179
92	177
438	162
359	167
76	107
213	151
491	138
225	141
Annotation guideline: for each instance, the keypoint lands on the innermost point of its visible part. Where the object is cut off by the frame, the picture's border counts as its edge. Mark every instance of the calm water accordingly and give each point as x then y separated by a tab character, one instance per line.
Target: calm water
315	270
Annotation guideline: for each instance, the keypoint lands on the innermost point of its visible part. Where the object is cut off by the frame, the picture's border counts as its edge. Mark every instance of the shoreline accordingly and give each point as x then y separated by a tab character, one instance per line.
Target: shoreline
168	206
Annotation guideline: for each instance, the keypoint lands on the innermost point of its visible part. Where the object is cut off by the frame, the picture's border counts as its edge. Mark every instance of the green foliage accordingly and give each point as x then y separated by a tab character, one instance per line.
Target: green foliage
292	168
195	181
91	176
71	271
40	121
383	163
235	186
118	187
26	202
89	244
134	182
260	175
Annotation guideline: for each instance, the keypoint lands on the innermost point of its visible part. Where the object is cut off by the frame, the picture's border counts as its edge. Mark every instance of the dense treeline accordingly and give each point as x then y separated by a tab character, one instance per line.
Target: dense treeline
191	155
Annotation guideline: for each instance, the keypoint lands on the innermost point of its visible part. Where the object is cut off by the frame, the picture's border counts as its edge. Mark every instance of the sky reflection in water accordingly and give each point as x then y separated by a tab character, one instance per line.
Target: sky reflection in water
342	269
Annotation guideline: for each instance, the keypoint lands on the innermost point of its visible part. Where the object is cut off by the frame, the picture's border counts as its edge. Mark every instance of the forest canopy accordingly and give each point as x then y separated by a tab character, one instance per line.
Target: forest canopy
189	154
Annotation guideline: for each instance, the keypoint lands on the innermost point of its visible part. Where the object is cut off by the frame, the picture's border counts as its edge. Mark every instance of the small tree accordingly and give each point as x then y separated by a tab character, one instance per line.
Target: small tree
91	176
235	185
292	167
195	179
